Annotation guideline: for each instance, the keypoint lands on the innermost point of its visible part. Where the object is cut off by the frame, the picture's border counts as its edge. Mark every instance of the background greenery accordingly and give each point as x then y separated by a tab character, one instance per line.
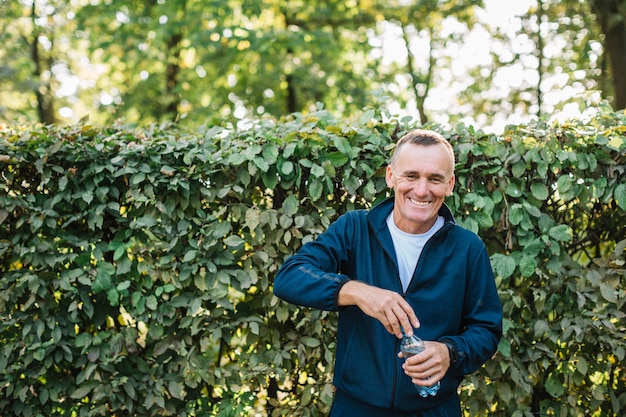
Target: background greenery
136	266
228	60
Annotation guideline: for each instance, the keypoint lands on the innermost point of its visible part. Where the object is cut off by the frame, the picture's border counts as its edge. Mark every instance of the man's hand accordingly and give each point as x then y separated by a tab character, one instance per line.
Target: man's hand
388	307
428	366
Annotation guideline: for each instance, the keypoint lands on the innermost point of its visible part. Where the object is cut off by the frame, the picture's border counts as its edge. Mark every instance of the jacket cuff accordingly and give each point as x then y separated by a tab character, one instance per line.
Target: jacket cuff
339	287
453	351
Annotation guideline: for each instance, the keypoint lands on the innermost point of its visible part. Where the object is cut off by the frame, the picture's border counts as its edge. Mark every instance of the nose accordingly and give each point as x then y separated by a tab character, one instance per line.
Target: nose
420	187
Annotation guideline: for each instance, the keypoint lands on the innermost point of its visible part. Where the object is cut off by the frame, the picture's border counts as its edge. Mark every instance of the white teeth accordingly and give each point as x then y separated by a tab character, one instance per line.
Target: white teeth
419	203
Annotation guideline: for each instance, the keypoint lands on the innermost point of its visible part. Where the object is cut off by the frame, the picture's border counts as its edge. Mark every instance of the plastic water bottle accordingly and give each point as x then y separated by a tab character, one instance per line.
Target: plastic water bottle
411	346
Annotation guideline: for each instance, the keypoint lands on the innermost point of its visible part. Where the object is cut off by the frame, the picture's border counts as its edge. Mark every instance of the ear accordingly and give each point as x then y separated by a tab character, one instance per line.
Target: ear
389	176
451	186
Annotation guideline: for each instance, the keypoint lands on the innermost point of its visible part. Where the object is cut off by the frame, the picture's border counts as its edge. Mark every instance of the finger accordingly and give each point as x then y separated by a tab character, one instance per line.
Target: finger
394	323
411	317
406	318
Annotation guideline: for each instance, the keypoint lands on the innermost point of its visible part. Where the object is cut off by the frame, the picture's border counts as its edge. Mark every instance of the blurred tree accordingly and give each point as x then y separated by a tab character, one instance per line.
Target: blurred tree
611	17
554	54
221	61
295	54
42	56
28	57
141	47
424	19
199	60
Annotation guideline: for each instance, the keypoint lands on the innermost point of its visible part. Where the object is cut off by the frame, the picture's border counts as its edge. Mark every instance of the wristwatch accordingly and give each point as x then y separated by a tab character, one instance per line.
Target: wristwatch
454	355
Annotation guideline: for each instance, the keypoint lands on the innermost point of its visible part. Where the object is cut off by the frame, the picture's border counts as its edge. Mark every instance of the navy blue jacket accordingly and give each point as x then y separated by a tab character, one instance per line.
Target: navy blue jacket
452	292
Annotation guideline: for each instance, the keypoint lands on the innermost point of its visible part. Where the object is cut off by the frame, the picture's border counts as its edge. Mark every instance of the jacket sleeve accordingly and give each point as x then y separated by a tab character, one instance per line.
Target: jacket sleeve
312	277
482	318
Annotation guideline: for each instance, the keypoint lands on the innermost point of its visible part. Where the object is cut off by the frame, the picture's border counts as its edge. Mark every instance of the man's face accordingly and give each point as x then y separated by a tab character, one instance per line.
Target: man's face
422	177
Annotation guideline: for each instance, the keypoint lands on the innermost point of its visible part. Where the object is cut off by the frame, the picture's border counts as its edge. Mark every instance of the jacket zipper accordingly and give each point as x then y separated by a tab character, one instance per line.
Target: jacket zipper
394	386
397	342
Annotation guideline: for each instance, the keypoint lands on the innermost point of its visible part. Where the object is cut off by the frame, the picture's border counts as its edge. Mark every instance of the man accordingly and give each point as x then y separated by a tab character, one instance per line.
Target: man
403	265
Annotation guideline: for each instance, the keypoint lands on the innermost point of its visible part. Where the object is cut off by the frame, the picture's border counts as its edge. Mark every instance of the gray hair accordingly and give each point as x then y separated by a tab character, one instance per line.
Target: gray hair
422	137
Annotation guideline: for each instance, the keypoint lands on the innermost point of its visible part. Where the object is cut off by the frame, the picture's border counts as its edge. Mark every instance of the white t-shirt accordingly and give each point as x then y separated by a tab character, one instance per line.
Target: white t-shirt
409	247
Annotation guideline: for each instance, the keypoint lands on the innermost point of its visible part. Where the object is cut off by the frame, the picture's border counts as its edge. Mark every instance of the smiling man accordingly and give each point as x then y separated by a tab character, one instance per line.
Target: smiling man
404	264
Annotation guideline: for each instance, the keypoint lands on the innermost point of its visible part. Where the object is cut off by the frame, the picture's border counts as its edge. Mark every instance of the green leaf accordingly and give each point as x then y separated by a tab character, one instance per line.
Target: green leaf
343	145
608	292
144	221
81	392
36	221
270	179
483	218
87	197
620	195
533	248
532	210
513	190
315	189
504	347
582	366
175	388
516	214
290	205
317	171
119	252
503	265
236	158
138	178
554	385
190	256
282	312
310	341
564	183
367	116
103	282
233	240
527	266
286	168
261	163
113	296
124	285
539	191
39	354
561	233
253	217
151	302
337	158
270	152
519	168
129	388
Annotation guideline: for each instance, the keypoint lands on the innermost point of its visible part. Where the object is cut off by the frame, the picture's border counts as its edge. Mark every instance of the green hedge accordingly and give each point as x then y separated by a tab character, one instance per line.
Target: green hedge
136	265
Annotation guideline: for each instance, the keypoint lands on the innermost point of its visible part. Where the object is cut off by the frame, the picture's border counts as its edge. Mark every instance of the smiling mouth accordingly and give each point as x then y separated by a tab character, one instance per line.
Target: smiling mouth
419	203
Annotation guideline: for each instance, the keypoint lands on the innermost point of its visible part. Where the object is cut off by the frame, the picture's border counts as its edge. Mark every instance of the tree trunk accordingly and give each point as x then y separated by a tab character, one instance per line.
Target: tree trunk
540	57
416	79
611	21
45	100
171	75
172	70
